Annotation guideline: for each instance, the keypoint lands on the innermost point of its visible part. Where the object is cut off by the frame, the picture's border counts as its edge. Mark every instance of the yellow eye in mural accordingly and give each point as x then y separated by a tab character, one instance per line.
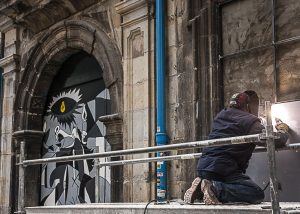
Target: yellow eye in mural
62	107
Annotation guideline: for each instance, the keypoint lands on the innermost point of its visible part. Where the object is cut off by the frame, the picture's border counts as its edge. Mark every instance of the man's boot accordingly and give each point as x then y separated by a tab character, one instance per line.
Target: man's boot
194	192
209	197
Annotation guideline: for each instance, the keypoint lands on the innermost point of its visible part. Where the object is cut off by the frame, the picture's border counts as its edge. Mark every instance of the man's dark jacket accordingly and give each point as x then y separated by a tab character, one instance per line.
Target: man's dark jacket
229	159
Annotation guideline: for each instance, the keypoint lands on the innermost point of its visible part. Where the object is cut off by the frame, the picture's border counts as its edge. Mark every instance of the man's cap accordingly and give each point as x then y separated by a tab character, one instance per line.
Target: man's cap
239	100
253	97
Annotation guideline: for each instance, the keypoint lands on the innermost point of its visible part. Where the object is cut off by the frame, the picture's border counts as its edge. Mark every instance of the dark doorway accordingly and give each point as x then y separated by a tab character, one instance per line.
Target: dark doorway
76	99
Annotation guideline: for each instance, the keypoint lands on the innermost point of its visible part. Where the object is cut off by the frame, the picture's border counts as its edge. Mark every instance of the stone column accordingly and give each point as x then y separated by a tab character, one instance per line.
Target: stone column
138	44
30	179
10	66
114	136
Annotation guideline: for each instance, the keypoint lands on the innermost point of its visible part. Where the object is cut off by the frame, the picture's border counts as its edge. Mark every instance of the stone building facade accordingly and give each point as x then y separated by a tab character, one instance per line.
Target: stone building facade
213	49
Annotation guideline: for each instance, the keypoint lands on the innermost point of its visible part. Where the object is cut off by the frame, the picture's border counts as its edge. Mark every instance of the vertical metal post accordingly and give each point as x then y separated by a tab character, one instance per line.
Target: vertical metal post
274	52
97	185
272	160
21	190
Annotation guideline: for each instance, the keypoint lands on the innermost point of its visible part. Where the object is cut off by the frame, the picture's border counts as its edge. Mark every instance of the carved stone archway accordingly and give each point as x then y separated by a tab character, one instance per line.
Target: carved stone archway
61	41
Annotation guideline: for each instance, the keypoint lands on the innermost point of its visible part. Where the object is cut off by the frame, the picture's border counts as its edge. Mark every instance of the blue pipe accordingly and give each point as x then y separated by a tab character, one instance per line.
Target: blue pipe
161	136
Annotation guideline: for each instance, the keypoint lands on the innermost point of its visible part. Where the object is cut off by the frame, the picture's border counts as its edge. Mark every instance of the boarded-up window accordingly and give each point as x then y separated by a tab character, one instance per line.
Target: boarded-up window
252	57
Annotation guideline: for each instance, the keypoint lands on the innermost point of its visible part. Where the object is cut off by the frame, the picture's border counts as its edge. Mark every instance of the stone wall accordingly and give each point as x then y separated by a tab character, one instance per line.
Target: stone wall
39	36
288	26
10	67
254	59
250	27
35	47
180	86
137	29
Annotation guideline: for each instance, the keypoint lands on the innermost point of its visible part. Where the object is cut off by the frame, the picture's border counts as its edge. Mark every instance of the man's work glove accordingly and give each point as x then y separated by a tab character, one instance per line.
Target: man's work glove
281	127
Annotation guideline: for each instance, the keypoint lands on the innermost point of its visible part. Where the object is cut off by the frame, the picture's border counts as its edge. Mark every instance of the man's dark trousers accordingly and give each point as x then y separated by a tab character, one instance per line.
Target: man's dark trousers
234	188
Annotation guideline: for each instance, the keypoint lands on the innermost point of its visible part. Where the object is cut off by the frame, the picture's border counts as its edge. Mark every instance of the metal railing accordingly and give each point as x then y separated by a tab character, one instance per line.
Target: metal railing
267	137
197	144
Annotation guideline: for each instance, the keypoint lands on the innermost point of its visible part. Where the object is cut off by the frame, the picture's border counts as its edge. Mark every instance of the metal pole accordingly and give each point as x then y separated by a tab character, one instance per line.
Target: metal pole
272	160
274	53
197	144
97	186
221	57
21	191
154	159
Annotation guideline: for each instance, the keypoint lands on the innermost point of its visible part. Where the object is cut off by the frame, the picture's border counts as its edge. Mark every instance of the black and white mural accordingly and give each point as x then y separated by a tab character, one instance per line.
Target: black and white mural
72	128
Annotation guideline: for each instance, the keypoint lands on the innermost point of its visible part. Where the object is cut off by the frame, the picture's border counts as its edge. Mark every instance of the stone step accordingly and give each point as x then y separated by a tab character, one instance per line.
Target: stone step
173	208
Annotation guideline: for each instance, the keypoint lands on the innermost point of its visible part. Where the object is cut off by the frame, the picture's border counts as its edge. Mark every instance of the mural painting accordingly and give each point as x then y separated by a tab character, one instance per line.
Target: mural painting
71	127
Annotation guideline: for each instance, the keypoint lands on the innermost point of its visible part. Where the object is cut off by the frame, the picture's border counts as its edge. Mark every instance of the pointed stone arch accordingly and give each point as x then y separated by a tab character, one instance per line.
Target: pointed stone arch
65	39
42	64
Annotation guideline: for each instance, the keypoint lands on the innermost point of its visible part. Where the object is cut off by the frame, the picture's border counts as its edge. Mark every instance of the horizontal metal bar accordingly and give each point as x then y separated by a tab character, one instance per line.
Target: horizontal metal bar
154	159
294	146
197	144
27	132
183	157
190	22
281	42
285	41
245	51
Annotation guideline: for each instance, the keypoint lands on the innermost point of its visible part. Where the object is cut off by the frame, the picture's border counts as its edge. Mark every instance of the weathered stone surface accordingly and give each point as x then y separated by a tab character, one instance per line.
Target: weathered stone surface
137	31
247	28
250	71
26	12
172	89
5	170
180	84
288	72
114	136
139	70
121	36
173	207
10	66
140	100
42	53
287	19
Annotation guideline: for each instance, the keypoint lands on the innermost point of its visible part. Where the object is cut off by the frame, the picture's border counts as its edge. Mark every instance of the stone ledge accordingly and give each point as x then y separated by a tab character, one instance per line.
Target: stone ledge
124	7
174	208
9	59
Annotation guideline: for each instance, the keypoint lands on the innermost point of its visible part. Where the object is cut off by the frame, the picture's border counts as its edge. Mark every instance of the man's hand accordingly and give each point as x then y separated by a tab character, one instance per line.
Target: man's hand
282	127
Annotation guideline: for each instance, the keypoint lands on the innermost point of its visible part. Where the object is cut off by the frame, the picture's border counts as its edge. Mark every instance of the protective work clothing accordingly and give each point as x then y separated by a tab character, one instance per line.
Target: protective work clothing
221	169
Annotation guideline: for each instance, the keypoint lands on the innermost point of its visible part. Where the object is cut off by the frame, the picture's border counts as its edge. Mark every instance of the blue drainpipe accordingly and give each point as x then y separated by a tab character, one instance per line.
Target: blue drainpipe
161	136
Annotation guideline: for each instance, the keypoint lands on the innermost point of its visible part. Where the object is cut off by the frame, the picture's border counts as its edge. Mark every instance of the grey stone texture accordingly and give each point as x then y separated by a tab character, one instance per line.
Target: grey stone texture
200	76
288	19
250	27
240	74
173	207
288	72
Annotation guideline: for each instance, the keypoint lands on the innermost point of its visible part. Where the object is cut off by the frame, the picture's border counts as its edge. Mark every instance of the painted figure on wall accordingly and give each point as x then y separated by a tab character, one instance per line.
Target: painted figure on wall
72	128
76	99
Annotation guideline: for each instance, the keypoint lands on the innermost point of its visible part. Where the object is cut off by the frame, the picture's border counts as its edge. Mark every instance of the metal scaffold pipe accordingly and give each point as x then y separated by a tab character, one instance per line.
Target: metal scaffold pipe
272	161
181	146
147	160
